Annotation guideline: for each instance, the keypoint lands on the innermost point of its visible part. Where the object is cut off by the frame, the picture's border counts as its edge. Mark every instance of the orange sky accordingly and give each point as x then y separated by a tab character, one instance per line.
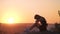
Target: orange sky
23	11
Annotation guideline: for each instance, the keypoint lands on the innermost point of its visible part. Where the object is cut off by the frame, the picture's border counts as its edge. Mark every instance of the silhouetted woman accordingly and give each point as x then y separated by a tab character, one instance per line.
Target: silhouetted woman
40	23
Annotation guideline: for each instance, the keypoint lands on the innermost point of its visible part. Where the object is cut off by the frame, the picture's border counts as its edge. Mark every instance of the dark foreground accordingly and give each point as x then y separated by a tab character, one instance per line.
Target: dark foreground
46	32
19	29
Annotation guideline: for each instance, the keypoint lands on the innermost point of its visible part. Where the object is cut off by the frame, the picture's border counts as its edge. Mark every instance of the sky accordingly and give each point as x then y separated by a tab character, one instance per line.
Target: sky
23	11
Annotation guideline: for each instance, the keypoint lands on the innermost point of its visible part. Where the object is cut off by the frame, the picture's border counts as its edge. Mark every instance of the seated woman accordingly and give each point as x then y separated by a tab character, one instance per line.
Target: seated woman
40	23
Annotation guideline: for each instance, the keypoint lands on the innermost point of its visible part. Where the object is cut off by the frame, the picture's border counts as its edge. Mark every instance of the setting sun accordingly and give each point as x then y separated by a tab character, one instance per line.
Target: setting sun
11	20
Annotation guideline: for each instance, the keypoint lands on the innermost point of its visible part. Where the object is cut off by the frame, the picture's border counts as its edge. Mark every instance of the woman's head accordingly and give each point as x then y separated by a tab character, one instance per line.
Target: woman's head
37	16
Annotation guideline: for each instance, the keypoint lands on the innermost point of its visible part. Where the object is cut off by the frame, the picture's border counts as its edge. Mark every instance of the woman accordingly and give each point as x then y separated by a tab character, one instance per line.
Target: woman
40	23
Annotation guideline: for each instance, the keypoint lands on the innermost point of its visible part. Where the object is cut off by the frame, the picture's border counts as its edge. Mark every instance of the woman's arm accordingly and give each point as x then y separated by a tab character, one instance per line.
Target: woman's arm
34	25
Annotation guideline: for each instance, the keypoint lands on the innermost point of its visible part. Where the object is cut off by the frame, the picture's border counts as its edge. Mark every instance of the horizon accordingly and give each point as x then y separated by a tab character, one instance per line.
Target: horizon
25	23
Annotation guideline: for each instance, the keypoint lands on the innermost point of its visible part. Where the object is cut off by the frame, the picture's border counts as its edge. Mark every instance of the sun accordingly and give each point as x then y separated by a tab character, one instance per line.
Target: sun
10	20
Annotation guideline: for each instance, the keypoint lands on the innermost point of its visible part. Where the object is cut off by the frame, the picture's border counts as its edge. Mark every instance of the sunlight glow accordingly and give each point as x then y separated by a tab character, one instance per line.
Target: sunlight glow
10	20
10	17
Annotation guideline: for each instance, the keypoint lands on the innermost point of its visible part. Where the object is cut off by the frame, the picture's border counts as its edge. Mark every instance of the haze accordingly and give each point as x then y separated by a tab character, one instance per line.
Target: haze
23	11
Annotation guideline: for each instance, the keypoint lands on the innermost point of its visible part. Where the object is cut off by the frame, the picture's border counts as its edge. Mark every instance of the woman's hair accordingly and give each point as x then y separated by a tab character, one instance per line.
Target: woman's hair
37	16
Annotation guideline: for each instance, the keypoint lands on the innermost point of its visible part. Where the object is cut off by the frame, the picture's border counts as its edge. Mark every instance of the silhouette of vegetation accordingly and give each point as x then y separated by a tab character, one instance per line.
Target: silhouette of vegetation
57	27
59	12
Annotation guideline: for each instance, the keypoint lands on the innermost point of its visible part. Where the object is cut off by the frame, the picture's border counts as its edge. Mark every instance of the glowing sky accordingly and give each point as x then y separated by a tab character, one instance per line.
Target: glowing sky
24	10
